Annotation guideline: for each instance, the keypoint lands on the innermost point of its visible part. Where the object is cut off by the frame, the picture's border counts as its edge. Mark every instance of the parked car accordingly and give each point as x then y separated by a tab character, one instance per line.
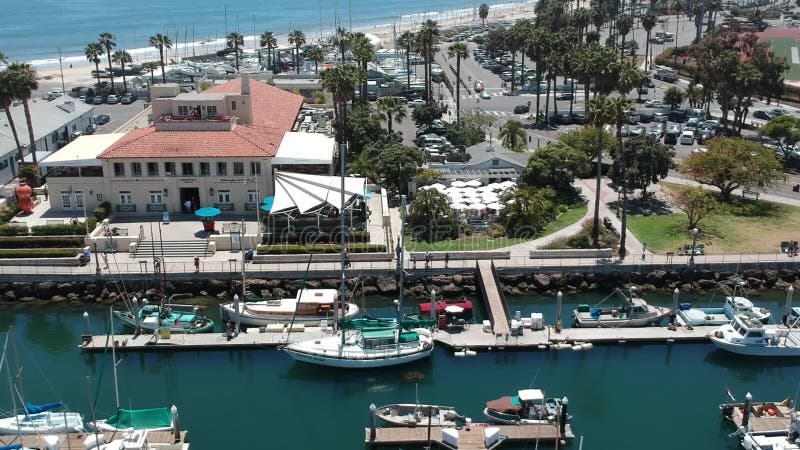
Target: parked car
564	118
522	109
98	99
637	131
703	135
112	99
102	119
478	87
763	115
687	137
564	96
657	130
579	118
623	131
652	103
485	95
416	103
660	117
642	90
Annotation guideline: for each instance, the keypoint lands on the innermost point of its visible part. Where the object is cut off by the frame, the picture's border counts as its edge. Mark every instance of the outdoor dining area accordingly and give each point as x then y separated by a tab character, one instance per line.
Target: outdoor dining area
473	199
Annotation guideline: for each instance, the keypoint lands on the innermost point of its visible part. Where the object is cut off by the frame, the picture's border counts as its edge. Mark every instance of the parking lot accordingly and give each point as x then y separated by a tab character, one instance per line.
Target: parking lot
119	114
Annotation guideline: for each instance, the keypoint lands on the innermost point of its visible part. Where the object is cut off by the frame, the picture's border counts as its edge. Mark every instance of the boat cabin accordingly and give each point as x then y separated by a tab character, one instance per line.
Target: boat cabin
316	301
750	331
387	337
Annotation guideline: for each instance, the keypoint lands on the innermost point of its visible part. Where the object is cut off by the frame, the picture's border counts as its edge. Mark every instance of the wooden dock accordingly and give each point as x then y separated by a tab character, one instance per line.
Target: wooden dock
76	440
201	341
760	422
468	439
486	276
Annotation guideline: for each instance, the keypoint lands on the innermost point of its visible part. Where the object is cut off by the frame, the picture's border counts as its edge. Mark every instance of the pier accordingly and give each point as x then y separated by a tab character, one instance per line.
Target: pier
486	277
162	439
471	438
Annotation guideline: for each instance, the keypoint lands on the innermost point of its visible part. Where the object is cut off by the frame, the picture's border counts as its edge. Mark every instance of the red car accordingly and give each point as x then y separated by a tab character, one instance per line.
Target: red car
478	86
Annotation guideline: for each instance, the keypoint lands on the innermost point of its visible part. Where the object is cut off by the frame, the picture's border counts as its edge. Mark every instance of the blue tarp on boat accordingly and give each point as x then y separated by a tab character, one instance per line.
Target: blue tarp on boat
10	447
30	408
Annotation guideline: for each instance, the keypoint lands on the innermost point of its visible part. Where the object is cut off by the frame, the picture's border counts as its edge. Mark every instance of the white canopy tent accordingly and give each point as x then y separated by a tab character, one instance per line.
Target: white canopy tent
310	192
305	148
82	152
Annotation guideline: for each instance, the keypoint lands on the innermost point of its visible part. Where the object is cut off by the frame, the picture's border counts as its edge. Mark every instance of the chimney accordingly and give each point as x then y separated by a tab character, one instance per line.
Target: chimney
245	84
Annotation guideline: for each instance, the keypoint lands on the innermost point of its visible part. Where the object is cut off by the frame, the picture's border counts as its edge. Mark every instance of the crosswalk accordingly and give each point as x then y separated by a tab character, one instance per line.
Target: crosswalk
478	95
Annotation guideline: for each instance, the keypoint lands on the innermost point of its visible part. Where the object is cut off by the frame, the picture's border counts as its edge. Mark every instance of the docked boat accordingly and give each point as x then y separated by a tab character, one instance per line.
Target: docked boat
414	414
634	312
747	336
309	306
752	441
42	419
765	418
529	406
153	419
735	303
461	308
173	317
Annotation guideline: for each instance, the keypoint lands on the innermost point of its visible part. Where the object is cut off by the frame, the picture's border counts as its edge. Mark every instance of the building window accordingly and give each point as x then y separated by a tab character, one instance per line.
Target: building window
255	168
155	197
136	169
152	169
222	168
205	168
78	199
125	198
187	168
224	196
54	137
211	110
74	127
119	169
495	162
183	110
100	197
238	168
66	200
169	168
233	105
252	196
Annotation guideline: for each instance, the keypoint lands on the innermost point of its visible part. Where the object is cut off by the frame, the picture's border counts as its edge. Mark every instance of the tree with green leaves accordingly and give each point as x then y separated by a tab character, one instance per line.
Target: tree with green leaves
22	80
161	42
694	96
425	115
697	203
483	13
7	99
397	164
122	57
673	97
340	82
107	41
513	136
406	42
364	166
268	40
601	112
428	37
731	163
459	52
151	67
235	41
390	108
471	128
317	55
297	38
93	52
556	165
645	161
527	210
429	216
784	128
363	53
677	5
585	140
365	130
624	26
342	39
649	21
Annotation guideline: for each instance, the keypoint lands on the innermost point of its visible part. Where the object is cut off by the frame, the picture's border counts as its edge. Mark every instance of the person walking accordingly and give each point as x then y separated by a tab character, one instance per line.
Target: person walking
446	259
427	259
644	249
188	205
346	257
196	264
46	194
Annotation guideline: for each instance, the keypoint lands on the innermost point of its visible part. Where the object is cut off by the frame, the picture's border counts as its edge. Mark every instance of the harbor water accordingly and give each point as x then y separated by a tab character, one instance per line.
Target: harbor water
621	396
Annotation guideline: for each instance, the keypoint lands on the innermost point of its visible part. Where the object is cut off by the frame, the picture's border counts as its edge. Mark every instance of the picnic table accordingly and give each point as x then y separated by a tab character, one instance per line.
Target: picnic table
686	250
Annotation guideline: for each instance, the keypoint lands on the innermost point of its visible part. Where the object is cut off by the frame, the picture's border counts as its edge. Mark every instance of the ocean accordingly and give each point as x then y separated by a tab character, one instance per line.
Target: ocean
623	397
69	25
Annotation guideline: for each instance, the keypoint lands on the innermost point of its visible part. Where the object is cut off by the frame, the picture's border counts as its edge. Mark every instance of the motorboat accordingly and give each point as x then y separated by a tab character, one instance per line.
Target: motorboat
634	312
747	336
529	406
152	419
736	303
42	419
173	317
752	441
414	415
309	306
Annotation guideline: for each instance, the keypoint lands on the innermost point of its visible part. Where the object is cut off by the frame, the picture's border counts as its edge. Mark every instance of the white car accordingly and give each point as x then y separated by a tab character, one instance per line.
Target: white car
687	137
653	103
416	103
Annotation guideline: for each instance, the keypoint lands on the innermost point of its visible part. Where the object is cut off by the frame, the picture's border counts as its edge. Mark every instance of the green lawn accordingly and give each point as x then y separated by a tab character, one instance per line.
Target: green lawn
482	241
741	226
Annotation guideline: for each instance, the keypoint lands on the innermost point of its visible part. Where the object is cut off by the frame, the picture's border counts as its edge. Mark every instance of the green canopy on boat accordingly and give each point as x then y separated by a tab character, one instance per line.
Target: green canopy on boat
140	419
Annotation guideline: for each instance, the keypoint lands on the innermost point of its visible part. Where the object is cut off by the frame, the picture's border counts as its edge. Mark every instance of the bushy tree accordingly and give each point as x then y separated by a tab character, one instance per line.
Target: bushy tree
429	216
426	114
527	210
471	128
585	140
396	164
697	203
513	136
642	161
673	97
784	128
364	127
556	165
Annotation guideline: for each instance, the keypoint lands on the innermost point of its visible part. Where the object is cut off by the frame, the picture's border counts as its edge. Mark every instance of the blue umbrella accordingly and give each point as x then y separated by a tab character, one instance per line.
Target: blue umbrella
268	201
207	212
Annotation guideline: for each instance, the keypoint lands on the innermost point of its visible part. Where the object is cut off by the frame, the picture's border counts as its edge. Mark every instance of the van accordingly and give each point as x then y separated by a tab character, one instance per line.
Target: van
687	137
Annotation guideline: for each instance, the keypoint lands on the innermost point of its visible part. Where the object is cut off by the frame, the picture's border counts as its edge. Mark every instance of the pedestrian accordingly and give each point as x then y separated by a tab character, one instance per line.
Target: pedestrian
188	205
196	264
446	259
105	260
46	194
427	259
644	249
346	257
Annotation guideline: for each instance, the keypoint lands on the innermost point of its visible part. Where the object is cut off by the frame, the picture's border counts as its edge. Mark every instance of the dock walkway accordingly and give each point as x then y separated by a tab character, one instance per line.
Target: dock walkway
468	439
199	341
76	440
495	302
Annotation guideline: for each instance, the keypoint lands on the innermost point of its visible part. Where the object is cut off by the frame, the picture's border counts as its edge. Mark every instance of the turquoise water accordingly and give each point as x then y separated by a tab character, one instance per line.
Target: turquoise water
622	397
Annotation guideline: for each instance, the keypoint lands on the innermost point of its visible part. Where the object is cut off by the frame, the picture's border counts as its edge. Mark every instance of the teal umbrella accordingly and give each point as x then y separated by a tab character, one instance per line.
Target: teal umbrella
207	212
268	201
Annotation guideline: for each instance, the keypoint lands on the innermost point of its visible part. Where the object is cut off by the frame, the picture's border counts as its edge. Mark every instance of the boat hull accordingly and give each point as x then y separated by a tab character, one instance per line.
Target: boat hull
413	415
754	350
129	320
362	363
507	419
228	313
584	320
43	423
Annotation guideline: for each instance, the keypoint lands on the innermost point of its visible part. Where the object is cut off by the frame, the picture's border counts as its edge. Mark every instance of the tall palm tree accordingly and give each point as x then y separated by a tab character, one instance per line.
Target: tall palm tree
6	100
161	41
235	40
122	57
93	51
513	135
390	108
317	55
624	26
429	36
536	48
340	82
363	52
342	39
406	41
107	41
678	7
298	38
599	114
648	23
483	13
22	82
150	67
459	52
268	40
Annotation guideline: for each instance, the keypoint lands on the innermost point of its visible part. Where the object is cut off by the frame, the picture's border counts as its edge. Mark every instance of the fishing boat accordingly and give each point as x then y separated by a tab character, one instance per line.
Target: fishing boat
170	316
634	312
415	414
735	303
462	308
309	306
529	406
42	419
747	336
153	419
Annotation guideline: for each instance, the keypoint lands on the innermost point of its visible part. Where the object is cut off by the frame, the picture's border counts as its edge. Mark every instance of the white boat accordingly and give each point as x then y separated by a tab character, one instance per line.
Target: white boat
529	406
758	442
364	349
747	336
634	312
736	303
416	415
43	422
310	306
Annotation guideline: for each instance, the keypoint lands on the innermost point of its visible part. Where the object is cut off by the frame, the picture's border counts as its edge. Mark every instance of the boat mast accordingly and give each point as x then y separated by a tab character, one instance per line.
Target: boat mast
18	376
343	237
401	250
114	352
4	359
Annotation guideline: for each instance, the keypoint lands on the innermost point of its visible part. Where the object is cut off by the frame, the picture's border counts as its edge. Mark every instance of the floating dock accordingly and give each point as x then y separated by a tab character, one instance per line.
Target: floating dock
471	438
489	284
76	440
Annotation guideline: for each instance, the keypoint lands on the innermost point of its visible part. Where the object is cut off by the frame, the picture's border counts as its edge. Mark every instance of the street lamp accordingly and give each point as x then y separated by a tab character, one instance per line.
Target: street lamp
694	232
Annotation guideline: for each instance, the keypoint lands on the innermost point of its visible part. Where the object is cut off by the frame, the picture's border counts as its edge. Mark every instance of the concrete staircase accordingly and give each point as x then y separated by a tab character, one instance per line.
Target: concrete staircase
149	249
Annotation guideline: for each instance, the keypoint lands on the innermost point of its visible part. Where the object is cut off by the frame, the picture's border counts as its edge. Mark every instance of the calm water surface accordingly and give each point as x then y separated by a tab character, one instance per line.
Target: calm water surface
620	396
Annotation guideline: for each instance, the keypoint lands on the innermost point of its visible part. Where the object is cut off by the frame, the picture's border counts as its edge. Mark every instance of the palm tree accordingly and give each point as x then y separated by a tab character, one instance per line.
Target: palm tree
3	58
513	135
364	166
317	55
150	67
599	114
107	41
406	40
363	52
93	52
340	82
459	52
429	36
483	13
6	100
298	38
678	7
581	18
22	82
268	40
648	23
390	107
624	26
342	40
235	40
161	41
122	57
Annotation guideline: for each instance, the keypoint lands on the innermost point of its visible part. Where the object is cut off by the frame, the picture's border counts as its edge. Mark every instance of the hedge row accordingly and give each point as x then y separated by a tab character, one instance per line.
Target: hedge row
319	248
41	242
102	211
311	236
13	230
38	253
64	229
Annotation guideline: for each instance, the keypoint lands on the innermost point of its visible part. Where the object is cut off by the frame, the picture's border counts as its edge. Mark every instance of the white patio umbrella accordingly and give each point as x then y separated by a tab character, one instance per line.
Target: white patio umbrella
473	183
508	184
458	183
469	200
489	197
458	206
424	188
438	186
477	206
495	206
484	189
494	186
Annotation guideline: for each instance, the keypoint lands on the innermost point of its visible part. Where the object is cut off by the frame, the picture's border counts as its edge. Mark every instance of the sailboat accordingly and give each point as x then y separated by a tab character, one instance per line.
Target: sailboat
366	348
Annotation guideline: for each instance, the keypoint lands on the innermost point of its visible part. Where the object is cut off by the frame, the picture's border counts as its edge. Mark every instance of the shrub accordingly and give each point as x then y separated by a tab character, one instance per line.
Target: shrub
9	212
319	248
41	242
496	230
38	253
102	211
65	229
13	230
308	237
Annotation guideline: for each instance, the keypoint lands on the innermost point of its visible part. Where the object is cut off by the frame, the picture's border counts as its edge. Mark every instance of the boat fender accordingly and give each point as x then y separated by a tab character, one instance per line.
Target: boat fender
587	345
718	334
577	347
426	345
469	352
460	354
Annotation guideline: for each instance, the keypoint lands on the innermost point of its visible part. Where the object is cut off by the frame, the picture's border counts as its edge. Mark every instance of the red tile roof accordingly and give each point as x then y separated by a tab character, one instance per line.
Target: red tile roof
274	113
